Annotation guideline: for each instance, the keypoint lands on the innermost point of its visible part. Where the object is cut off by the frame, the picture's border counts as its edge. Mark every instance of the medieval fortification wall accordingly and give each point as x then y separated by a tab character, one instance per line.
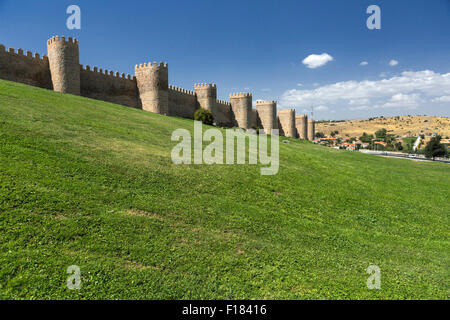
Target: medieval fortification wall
148	89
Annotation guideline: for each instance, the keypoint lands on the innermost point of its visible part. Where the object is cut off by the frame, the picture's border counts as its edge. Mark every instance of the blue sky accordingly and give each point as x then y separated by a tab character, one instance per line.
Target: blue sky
259	46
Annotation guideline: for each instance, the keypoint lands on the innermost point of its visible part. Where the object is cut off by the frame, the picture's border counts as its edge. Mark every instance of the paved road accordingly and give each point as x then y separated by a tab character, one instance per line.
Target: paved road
402	156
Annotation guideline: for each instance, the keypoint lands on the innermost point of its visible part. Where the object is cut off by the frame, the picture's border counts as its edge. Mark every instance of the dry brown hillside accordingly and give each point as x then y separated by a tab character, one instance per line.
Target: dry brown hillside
402	126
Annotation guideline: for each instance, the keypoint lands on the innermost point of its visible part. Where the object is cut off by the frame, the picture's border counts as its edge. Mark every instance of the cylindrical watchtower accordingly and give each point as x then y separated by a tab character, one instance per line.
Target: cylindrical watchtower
267	111
207	97
64	59
287	121
311	130
301	123
241	105
153	85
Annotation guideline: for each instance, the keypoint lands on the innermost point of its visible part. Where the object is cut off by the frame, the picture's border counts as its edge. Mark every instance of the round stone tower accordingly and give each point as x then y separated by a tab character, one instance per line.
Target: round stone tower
311	130
241	105
153	85
64	59
267	112
286	118
301	123
207	96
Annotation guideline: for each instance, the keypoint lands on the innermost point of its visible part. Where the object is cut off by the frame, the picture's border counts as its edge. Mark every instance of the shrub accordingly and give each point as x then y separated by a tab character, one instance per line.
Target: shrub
320	135
434	148
204	116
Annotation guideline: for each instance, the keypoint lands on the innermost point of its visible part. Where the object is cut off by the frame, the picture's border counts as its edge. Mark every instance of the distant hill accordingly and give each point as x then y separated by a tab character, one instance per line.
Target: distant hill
402	126
90	183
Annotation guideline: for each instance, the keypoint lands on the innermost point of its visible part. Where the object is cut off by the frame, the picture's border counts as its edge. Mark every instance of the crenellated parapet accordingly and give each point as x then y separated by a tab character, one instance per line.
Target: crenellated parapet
112	74
20	53
223	102
181	90
241	105
146	66
240	95
205	86
153	85
25	67
64	59
62	39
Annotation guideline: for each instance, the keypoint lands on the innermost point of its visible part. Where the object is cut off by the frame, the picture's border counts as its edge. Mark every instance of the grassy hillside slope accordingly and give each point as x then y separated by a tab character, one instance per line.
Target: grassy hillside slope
89	183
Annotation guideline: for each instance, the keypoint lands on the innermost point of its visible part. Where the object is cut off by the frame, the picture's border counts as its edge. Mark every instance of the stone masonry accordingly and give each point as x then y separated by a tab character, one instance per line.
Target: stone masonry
148	89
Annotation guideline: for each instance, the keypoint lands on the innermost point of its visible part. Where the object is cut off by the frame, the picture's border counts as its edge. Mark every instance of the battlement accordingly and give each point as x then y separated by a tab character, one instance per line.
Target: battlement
240	95
147	89
204	85
224	102
20	53
56	39
181	90
146	66
282	111
265	102
96	70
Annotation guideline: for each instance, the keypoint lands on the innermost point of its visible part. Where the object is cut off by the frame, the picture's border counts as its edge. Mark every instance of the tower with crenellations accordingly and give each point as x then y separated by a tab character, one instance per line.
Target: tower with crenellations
153	86
286	119
241	105
64	59
207	97
267	112
301	123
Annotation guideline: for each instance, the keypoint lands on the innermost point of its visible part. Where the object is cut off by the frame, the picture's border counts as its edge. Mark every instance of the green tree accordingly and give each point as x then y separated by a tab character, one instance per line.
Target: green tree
204	116
381	134
320	135
367	138
435	148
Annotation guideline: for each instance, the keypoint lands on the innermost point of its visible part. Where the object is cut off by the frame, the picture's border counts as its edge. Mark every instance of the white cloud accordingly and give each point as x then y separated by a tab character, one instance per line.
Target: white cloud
359	108
401	100
317	60
384	74
364	63
321	108
410	89
354	102
300	84
393	63
442	99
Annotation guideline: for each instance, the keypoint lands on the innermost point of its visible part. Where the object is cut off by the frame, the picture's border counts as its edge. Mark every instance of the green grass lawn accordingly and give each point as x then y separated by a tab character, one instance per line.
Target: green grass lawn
89	183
